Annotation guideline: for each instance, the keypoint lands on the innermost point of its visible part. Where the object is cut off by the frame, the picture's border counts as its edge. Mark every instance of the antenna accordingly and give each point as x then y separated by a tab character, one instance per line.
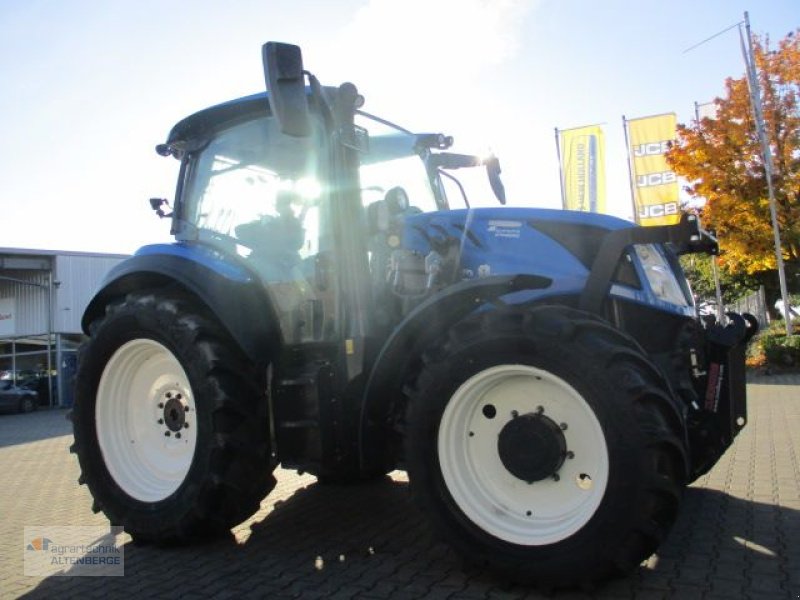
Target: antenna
708	39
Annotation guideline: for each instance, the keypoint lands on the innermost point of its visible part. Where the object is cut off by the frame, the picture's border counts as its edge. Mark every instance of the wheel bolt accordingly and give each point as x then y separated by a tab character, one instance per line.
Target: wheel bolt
186	426
514	414
570	454
161	421
178	397
556	477
178	435
186	408
160	405
166	433
169	395
563	426
539	410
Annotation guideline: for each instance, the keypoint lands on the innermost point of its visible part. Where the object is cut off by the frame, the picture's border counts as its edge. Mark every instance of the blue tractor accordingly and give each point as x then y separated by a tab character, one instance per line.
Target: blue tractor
541	375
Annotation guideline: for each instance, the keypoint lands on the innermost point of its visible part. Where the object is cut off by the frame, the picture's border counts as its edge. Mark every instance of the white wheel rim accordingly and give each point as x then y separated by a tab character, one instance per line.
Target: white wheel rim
508	508
141	381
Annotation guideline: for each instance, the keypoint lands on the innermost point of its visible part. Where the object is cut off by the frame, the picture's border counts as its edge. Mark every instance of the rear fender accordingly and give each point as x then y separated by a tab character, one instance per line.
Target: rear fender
228	290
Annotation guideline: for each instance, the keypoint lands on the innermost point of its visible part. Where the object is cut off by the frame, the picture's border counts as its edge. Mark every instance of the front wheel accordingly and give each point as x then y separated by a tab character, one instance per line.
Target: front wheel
27	404
544	445
170	422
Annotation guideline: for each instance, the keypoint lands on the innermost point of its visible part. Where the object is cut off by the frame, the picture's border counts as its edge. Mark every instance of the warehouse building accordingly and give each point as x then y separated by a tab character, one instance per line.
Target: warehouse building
43	294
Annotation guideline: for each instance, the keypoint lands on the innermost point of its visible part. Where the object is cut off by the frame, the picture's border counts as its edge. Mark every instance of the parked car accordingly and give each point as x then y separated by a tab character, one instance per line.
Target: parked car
794	311
707	311
16	398
39	385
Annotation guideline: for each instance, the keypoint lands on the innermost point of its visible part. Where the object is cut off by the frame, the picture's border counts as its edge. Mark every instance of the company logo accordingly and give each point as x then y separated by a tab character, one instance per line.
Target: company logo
651	148
73	550
586	159
39	544
653	179
505	229
654	211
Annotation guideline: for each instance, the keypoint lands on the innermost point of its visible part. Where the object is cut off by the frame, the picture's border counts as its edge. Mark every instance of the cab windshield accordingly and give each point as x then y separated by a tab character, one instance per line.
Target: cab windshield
394	161
250	178
246	182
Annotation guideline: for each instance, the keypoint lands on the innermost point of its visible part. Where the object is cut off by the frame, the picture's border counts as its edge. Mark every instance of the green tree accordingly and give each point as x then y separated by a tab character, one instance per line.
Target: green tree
721	158
733	286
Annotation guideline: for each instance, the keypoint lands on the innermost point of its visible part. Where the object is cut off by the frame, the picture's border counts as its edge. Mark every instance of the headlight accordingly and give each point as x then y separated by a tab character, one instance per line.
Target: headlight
660	275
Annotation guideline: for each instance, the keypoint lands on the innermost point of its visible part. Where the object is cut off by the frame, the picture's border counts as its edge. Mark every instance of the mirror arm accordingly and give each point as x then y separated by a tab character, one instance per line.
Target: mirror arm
458	183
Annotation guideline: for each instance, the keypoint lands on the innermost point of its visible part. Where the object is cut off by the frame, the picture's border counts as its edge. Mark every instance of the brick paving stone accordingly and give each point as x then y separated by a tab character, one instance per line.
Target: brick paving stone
469	595
766	584
472	589
656	580
442	590
403	595
573	595
618	588
652	595
732	587
688	592
501	594
736	535
693	574
769	596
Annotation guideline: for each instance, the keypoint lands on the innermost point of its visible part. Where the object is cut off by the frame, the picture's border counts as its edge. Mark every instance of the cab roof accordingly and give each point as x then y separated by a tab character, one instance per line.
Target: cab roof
206	121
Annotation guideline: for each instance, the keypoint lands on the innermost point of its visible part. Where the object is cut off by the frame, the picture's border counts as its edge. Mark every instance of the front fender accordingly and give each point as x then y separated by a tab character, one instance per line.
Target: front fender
425	324
232	294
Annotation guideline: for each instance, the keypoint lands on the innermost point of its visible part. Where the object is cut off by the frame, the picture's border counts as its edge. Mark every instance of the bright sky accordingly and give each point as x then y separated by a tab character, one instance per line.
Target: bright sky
87	88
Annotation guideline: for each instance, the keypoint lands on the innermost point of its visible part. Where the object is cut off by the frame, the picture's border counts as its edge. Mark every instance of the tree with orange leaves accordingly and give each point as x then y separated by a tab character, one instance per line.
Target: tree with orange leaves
721	158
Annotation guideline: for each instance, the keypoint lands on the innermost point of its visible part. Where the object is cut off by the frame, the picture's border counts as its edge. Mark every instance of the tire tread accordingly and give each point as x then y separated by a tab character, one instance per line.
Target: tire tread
659	436
239	475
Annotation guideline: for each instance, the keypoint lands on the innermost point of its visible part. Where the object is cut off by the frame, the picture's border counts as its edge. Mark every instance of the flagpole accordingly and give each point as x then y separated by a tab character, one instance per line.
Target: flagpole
630	169
766	151
560	171
714	258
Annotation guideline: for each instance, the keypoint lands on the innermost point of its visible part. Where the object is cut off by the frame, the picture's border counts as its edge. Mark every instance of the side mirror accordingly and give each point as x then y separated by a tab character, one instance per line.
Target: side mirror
283	73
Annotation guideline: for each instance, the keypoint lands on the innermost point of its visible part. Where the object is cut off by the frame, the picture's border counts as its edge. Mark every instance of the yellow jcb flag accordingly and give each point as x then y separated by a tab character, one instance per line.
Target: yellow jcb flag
583	168
655	186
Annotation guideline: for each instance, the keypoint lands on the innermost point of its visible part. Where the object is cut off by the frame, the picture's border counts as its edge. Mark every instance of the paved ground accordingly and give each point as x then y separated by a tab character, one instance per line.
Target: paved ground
738	535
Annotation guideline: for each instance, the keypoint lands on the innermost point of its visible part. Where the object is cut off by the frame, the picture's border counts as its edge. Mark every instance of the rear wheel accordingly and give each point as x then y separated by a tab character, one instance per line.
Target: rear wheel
169	422
544	445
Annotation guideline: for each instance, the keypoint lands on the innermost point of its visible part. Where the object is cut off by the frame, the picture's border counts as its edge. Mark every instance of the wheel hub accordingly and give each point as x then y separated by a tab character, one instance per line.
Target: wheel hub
532	447
144	398
174	413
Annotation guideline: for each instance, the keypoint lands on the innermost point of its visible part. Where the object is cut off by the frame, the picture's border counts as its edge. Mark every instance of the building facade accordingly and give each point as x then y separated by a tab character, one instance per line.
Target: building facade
43	295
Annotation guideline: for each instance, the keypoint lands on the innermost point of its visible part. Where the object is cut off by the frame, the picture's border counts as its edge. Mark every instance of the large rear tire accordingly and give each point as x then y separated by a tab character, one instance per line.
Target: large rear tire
170	422
544	445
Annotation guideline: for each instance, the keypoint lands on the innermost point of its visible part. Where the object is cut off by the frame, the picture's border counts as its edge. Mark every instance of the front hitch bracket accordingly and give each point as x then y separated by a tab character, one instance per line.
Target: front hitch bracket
722	410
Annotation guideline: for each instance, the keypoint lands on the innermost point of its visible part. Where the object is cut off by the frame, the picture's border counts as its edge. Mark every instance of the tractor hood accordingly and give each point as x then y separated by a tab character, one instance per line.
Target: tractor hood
558	244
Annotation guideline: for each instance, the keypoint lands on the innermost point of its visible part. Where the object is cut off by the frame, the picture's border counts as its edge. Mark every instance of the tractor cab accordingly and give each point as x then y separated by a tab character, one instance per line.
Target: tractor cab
279	203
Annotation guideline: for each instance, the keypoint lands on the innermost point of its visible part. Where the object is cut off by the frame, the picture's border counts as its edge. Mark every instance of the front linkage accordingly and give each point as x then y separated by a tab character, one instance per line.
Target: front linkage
721	412
717	409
